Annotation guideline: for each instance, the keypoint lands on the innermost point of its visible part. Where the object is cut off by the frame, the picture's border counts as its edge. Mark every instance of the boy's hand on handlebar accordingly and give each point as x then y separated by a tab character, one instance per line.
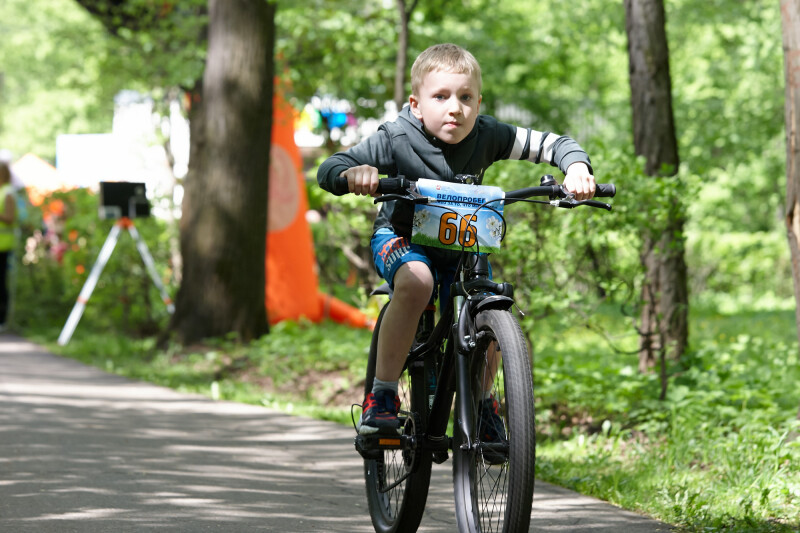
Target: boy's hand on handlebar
362	180
579	181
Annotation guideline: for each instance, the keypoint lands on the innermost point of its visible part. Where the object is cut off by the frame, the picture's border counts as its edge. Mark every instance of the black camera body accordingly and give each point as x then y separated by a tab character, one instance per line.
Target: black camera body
126	199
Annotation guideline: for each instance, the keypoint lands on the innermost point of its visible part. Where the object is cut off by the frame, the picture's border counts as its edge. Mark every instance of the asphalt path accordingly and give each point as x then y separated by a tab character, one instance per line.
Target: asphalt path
85	451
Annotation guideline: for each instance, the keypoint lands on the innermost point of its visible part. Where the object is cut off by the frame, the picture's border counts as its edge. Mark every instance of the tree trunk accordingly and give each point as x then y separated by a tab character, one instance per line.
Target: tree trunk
664	292
402	53
790	16
224	221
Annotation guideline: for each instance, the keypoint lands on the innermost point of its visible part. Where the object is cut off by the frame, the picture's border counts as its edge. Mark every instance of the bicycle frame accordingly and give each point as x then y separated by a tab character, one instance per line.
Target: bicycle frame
472	292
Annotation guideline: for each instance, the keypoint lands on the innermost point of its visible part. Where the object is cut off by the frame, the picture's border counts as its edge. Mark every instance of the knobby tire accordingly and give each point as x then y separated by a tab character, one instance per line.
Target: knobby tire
498	497
399	509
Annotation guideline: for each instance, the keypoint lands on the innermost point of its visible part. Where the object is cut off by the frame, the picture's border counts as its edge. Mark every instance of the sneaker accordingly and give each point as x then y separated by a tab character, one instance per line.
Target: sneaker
492	430
379	414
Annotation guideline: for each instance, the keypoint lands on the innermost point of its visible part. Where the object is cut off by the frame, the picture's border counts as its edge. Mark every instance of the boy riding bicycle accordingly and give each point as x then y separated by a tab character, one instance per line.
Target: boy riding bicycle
439	136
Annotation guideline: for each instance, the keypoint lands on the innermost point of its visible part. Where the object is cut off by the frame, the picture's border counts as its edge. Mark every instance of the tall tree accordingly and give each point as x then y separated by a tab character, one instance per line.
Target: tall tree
224	214
402	52
224	220
664	321
790	16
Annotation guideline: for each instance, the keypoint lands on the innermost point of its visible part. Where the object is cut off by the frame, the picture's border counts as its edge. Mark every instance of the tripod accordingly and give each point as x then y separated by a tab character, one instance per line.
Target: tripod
97	269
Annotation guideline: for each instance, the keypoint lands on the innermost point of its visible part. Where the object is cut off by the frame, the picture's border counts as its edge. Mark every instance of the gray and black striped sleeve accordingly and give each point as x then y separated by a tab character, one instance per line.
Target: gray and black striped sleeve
546	147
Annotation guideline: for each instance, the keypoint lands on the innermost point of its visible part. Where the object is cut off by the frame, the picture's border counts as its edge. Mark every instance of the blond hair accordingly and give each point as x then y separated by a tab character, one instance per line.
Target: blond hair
446	57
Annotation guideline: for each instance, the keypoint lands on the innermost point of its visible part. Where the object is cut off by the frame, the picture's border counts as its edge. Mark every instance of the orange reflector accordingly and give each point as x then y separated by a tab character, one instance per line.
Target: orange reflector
388	442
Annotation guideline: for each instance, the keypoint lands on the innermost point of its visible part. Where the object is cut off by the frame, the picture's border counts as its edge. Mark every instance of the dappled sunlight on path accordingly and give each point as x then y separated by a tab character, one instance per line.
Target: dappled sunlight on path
79	445
83	450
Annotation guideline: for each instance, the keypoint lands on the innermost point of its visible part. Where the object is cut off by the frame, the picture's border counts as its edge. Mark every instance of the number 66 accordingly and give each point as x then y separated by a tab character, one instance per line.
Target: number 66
464	230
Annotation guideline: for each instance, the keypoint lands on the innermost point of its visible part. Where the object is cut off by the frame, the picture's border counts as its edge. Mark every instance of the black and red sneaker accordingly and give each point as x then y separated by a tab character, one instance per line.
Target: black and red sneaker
492	432
379	414
492	427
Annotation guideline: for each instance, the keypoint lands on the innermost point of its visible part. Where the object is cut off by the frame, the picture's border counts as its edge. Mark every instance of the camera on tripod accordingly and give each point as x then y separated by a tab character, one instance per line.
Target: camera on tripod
123	199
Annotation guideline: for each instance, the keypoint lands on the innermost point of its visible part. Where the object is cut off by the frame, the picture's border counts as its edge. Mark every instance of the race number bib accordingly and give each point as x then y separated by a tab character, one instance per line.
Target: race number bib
457	222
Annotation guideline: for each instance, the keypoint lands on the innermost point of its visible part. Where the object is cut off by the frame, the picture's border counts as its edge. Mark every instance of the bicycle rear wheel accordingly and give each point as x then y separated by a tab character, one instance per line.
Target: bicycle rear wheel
493	479
397	482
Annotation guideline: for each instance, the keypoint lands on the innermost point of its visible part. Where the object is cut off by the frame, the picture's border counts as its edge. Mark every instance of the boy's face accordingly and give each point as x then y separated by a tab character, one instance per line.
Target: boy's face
447	105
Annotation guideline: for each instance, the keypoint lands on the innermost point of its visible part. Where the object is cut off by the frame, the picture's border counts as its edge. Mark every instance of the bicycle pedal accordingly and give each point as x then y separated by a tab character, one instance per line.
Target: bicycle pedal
367	454
371	447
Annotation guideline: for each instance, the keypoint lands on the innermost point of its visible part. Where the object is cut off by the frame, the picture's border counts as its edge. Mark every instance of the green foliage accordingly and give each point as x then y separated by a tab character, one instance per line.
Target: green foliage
61	68
295	348
730	132
341	244
730	125
531	59
568	262
58	247
740	270
720	453
51	57
163	45
346	49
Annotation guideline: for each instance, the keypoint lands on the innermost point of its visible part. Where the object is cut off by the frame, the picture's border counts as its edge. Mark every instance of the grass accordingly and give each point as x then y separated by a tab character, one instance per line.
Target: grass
314	370
719	454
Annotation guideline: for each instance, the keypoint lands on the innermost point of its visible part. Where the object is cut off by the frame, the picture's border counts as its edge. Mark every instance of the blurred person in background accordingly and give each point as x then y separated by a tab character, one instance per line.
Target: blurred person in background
8	216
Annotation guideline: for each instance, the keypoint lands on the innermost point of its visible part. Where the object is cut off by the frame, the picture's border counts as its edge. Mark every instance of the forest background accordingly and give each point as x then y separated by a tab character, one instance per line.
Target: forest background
716	450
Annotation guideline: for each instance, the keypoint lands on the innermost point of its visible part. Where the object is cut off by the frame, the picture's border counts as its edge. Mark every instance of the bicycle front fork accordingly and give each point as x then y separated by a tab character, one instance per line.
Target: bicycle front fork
463	346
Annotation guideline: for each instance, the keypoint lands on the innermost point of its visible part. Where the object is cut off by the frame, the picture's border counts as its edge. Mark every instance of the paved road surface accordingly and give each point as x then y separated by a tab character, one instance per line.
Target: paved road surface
85	451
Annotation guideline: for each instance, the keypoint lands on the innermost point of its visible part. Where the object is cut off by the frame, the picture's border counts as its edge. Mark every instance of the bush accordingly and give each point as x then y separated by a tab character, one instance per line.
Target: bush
733	269
59	243
341	244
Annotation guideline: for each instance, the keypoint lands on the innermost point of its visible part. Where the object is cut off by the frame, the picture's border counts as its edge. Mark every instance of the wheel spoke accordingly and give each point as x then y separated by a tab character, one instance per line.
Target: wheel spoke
492	482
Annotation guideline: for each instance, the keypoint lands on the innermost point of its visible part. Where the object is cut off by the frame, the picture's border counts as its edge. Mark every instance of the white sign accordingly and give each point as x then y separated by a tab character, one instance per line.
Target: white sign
457	219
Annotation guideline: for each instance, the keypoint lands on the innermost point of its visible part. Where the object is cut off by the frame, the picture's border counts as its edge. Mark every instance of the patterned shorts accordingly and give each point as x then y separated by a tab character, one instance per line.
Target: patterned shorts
390	251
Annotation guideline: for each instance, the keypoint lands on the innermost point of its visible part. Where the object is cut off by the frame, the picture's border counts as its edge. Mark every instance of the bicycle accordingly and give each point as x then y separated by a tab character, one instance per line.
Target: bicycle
475	352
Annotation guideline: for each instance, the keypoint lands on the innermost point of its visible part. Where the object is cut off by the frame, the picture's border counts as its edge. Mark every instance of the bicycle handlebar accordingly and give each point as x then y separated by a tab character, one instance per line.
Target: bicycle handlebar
602	190
399	185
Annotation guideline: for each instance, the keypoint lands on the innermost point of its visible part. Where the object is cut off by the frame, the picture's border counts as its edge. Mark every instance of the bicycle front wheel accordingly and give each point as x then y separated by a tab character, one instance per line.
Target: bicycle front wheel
397	481
493	469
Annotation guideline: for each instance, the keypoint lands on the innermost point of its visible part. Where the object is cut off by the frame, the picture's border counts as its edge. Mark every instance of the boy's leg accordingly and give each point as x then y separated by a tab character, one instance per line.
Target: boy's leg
406	268
413	286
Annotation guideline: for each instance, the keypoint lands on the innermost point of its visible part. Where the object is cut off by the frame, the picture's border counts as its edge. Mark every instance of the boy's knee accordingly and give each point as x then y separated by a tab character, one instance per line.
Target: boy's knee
414	282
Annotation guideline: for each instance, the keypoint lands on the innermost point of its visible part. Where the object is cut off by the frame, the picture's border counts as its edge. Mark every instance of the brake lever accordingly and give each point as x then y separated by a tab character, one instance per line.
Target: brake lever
571	203
413	196
387	197
595	203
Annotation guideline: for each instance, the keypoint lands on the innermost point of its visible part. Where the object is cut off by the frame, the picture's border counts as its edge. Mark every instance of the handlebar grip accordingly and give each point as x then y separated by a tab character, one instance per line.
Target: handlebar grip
605	190
340	186
396	185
